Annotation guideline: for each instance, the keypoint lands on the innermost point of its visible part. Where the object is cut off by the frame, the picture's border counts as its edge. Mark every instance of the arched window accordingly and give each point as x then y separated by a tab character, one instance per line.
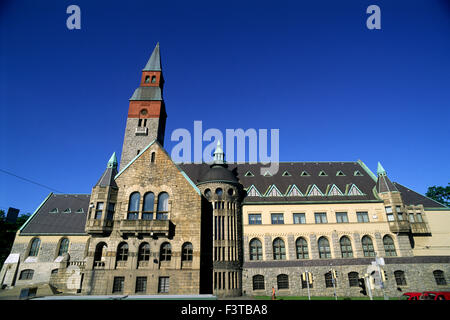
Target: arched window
100	251
328	280
255	249
258	282
346	247
279	250
283	281
153	79
187	252
63	246
133	206
26	274
389	246
147	79
122	252
147	207
301	246
34	248
400	278
152	157
324	248
439	277
353	279
165	253
144	252
163	206
367	245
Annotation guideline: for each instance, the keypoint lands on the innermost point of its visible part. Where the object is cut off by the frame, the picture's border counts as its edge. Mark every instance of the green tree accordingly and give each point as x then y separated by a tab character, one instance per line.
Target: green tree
7	234
440	194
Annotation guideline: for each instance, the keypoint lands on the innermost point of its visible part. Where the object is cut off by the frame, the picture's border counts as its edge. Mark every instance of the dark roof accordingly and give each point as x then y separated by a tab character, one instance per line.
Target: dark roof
364	182
44	222
218	173
107	178
411	197
384	184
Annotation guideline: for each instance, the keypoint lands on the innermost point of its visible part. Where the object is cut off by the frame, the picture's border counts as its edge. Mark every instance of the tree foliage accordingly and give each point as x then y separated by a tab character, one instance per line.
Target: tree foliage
7	234
439	194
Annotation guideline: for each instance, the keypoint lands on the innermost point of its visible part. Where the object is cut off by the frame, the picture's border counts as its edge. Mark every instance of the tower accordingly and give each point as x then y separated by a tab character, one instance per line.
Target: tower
146	119
223	191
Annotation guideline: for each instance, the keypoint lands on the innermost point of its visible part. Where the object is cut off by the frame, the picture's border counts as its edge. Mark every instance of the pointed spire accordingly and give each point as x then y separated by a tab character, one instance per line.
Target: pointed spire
218	154
154	63
112	163
380	170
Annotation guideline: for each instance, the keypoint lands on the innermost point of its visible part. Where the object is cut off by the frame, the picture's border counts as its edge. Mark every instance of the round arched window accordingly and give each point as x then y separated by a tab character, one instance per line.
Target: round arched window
208	193
219	191
144	112
230	191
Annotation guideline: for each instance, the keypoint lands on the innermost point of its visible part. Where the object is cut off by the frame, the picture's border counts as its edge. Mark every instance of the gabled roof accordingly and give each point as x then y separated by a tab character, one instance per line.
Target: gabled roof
365	183
410	197
44	222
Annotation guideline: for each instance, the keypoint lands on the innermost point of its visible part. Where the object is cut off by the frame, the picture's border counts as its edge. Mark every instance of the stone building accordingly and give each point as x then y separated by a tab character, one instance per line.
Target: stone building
151	226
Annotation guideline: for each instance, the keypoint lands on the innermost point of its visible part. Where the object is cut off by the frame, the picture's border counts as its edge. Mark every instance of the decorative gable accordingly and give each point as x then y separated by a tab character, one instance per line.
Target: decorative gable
294	191
273	192
314	191
334	191
253	192
354	191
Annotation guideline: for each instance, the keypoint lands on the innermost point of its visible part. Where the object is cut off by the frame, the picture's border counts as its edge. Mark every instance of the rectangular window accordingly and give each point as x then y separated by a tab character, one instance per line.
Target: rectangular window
98	211
411	217
277	218
321	217
388	209
419	217
141	284
163	285
110	213
398	209
362	217
299	218
341	217
118	284
390	217
254	219
132	216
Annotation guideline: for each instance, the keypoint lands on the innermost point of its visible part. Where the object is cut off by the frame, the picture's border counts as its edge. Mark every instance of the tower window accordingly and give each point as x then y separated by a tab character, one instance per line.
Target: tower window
147	79
153	79
140	123
152	160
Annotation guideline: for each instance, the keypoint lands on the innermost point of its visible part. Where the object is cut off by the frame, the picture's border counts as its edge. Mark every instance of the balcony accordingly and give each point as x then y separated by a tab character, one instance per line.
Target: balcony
420	228
399	226
97	226
141	131
152	227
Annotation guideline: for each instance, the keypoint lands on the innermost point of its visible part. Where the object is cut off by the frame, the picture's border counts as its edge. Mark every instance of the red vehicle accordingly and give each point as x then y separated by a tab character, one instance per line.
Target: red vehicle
435	295
411	296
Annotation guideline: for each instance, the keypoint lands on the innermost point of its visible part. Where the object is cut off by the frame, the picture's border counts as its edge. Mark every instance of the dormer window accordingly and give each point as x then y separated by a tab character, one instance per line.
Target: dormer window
147	79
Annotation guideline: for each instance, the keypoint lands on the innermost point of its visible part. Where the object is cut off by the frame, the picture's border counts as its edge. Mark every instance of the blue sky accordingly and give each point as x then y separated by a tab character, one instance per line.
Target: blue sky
336	90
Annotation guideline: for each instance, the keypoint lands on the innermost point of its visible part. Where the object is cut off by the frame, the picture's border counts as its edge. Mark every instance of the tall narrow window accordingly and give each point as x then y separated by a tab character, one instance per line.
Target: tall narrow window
110	213
163	285
328	280
122	252
163	206
346	247
166	252
255	249
153	79
152	158
389	246
63	246
324	248
279	250
301	248
147	210
187	252
99	211
144	252
353	279
100	251
147	79
419	217
367	245
34	249
133	206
